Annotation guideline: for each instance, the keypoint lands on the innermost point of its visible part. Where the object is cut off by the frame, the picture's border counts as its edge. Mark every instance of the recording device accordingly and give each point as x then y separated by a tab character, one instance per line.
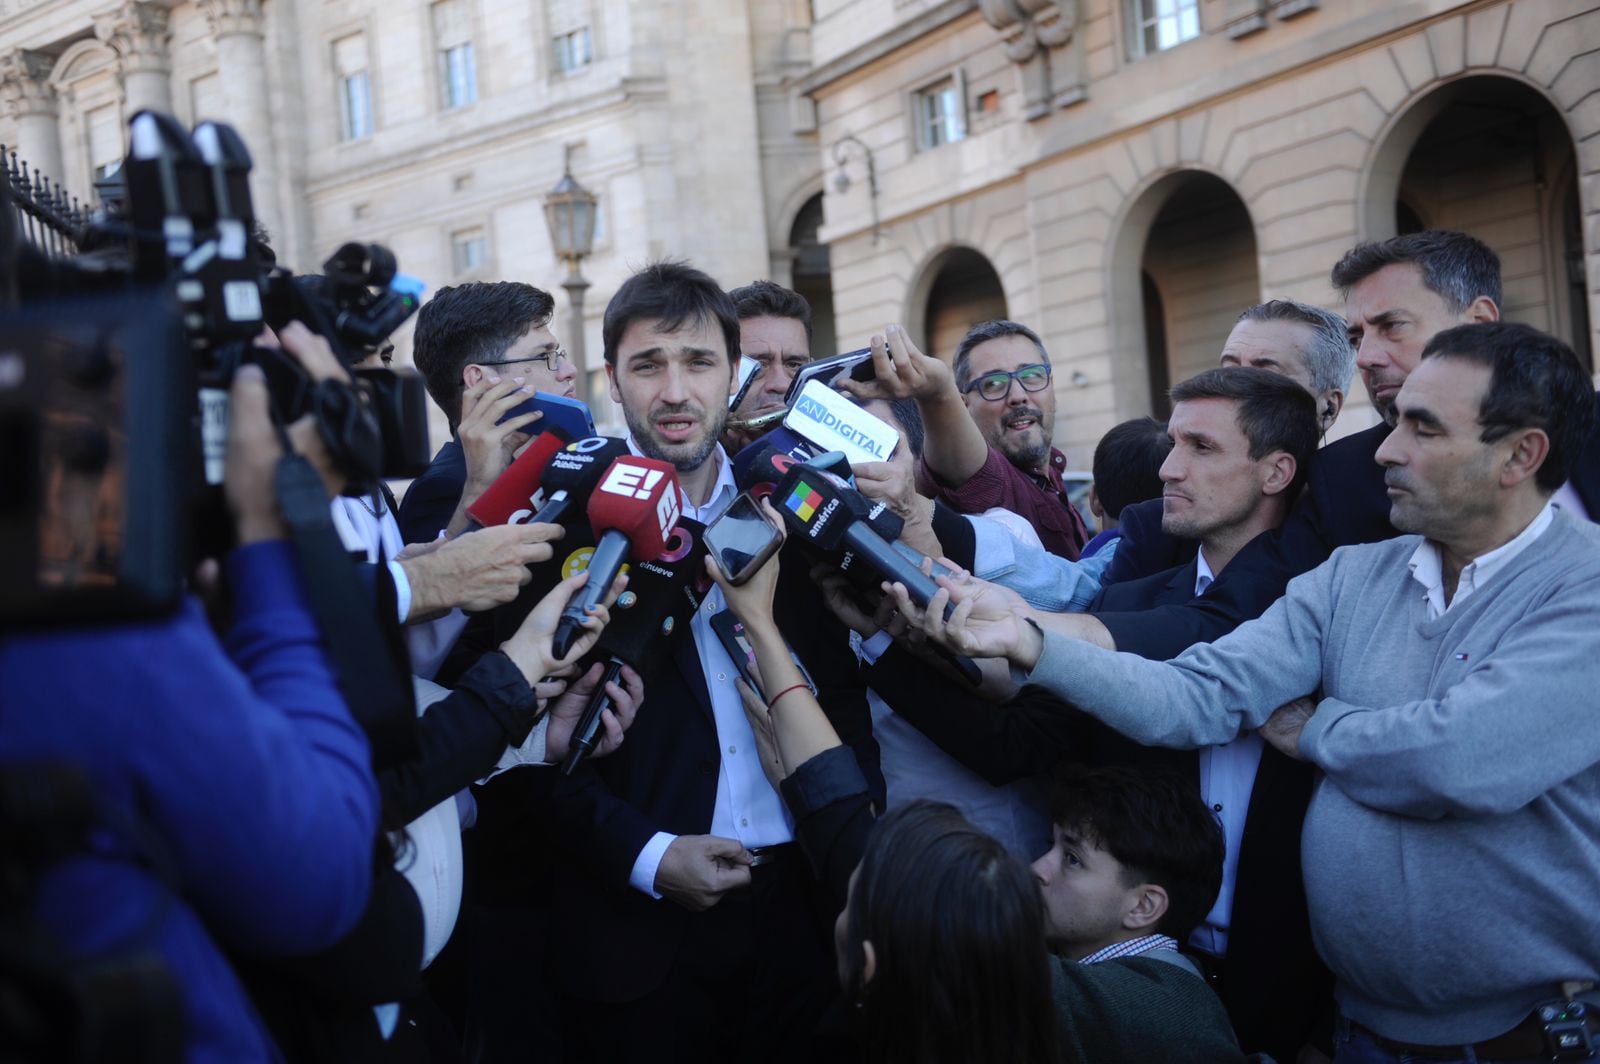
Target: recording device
853	365
758	468
568	415
748	372
831	422
572	475
742	539
115	365
510	499
1565	1026
832	516
662	595
730	633
632	511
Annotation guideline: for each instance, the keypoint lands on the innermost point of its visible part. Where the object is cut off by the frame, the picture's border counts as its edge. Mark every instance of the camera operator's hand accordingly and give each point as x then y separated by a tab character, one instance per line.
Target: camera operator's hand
477	571
487	445
566	711
697	870
529	648
252	460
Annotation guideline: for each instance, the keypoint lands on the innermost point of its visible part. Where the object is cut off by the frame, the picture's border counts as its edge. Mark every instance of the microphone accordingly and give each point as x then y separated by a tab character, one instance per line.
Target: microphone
661	596
631	512
834	518
571	477
509	500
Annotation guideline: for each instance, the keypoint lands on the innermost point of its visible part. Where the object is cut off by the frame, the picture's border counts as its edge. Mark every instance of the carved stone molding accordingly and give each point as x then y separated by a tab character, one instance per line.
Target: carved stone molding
232	17
25	87
1041	37
137	31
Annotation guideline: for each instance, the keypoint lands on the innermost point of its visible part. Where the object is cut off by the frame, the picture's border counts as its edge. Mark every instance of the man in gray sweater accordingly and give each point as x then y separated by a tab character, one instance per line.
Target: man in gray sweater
1450	853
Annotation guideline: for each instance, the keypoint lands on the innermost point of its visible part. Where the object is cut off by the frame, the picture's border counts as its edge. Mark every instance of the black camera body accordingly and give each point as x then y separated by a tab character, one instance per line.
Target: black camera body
115	368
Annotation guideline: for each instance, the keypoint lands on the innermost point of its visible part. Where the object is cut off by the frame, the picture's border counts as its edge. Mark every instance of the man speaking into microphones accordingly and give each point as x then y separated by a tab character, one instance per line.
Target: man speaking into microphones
685	926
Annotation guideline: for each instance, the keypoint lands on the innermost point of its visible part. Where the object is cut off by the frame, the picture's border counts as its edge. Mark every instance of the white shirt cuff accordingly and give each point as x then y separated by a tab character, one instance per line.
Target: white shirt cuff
402	590
643	877
874	648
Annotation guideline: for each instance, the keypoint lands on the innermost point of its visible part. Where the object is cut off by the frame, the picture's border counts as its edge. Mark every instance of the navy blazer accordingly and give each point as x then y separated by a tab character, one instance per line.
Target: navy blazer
610	942
432	498
1345	502
1277	988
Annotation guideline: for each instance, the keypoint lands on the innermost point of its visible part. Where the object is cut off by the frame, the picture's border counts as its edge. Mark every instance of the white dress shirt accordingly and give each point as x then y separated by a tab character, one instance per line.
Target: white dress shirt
1427	564
1227	776
747	807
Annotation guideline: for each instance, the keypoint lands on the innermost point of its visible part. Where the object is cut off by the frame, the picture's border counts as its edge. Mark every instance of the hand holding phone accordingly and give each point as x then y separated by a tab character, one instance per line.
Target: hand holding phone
742	539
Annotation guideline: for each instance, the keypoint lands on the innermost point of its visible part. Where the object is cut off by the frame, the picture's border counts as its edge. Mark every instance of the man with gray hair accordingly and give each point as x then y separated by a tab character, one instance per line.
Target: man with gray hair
1398	294
1304	343
989	418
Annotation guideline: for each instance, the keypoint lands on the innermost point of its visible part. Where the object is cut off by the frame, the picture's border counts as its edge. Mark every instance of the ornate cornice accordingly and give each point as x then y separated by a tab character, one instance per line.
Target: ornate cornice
25	87
229	18
137	31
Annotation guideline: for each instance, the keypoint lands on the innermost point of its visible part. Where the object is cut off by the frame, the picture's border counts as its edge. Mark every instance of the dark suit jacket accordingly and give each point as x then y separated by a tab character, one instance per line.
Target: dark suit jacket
432	498
609	942
1345	502
1277	989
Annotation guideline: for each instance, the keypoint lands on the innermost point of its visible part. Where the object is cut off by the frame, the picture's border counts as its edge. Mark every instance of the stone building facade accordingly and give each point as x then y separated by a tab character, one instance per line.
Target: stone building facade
1125	175
438	127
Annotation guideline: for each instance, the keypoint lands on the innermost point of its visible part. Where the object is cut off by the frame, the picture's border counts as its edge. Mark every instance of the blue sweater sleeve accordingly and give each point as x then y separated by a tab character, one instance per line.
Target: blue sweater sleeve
261	779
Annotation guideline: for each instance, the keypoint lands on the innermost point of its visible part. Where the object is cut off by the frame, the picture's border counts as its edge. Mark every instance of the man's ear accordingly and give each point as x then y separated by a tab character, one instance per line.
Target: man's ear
1332	403
1149	906
471	374
1281	468
1530	449
869	962
1094	504
1481	309
611	382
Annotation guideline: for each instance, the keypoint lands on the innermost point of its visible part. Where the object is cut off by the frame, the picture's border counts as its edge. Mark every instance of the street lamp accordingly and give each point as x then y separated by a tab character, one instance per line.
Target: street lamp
842	150
569	210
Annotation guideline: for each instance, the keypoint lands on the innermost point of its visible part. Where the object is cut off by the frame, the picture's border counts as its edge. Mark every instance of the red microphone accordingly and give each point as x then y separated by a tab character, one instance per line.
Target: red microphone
632	511
509	500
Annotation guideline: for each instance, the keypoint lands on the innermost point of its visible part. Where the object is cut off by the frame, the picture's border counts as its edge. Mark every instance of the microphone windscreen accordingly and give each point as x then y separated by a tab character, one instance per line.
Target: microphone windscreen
509	498
578	466
663	594
639	498
817	506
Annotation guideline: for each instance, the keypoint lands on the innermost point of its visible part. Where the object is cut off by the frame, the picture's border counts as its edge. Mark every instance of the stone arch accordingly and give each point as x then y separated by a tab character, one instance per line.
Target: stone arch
956	286
1184	218
1491	153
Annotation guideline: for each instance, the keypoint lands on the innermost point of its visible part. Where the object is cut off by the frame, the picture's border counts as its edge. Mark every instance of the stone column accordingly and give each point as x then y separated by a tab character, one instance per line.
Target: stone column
238	28
28	98
137	32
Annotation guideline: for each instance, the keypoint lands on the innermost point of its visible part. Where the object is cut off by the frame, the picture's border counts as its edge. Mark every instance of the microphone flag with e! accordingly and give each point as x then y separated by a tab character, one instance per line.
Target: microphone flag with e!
571	476
661	598
509	500
632	510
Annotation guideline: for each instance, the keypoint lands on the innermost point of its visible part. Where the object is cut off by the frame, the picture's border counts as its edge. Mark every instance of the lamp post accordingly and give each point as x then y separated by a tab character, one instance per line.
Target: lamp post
569	210
842	150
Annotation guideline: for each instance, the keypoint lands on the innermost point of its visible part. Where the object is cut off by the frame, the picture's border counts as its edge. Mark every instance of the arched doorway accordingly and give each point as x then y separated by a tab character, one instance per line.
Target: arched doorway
1490	156
963	290
1187	249
811	274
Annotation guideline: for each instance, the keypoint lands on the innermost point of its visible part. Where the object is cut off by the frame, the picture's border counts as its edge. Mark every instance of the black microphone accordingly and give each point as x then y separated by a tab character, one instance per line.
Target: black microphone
567	482
631	511
662	596
834	518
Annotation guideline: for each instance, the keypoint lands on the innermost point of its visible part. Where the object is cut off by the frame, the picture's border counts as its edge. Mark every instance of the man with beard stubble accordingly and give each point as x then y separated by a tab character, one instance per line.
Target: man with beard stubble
989	421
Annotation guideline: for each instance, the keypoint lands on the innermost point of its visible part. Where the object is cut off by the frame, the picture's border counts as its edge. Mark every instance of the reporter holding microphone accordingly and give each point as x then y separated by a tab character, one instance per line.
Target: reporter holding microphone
909	888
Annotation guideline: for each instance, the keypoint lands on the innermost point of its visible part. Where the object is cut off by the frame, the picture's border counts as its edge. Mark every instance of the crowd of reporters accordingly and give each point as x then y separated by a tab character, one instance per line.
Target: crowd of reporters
947	776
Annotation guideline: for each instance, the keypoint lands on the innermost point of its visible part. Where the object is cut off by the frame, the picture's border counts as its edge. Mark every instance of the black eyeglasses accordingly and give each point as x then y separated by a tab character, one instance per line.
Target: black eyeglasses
996	386
552	360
